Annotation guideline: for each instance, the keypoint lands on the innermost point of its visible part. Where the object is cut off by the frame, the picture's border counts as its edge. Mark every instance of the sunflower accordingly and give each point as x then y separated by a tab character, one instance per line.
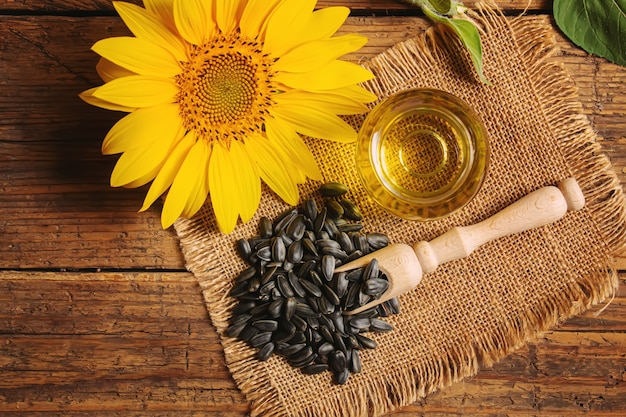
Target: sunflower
217	95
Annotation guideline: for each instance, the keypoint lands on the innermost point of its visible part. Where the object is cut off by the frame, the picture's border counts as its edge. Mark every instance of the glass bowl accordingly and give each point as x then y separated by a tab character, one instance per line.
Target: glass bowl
422	154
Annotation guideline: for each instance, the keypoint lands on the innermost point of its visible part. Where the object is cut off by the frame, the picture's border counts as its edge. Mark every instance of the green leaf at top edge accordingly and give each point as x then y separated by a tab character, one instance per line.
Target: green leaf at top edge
441	6
597	26
468	33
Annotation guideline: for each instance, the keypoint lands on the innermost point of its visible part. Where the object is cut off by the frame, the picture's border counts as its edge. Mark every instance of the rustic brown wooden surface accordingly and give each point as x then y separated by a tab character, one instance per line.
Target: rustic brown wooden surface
97	314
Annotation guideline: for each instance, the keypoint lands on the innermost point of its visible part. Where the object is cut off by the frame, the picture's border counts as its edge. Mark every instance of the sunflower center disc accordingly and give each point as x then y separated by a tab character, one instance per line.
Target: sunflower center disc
225	89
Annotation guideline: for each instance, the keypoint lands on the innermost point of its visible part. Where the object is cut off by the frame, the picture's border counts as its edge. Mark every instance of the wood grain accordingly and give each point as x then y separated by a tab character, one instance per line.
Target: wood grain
133	343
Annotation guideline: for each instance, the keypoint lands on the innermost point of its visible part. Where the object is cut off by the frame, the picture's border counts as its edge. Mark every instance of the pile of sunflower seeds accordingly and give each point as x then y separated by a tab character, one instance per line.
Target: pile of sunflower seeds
291	300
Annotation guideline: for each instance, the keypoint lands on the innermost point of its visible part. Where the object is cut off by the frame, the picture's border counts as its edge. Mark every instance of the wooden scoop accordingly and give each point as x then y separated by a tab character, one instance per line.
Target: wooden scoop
404	265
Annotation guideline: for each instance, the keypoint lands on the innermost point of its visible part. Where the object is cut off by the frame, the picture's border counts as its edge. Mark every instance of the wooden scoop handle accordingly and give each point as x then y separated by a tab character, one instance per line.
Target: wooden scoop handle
541	207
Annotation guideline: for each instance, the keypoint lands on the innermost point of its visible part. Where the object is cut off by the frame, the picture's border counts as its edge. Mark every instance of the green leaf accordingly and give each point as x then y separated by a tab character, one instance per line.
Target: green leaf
597	26
441	6
468	33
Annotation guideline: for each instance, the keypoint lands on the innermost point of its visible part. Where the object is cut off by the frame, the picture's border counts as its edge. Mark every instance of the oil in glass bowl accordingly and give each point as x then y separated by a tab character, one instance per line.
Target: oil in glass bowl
422	154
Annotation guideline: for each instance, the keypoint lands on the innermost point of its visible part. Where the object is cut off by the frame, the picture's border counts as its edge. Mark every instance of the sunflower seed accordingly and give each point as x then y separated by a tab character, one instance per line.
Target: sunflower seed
243	307
377	240
335	210
290	308
380	326
296	228
315	277
330	228
293	349
375	286
244	249
337	361
310	209
284	286
311	288
303	310
330	295
264	253
246	274
265	227
345	243
235	329
265	325
315	368
269	274
279	251
341	284
350	210
266	351
294	281
333	189
320	220
350	227
283	220
260	339
355	362
342	377
361	244
328	267
366	342
295	252
248	333
275	307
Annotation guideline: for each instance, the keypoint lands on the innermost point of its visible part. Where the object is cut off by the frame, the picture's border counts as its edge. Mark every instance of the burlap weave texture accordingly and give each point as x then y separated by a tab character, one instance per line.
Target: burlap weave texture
472	311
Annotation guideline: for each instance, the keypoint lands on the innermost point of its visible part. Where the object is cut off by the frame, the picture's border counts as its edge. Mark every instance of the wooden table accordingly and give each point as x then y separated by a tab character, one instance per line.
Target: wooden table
97	313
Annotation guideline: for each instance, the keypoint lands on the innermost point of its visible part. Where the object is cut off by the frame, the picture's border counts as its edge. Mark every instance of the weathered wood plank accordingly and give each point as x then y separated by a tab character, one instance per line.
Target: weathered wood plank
43	6
126	344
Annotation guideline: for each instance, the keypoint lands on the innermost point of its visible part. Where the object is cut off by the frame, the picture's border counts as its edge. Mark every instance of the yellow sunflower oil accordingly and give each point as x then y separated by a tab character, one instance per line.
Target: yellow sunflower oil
422	154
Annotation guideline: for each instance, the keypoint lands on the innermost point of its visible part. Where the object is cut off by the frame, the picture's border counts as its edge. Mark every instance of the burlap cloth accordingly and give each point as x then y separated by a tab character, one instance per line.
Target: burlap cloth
469	312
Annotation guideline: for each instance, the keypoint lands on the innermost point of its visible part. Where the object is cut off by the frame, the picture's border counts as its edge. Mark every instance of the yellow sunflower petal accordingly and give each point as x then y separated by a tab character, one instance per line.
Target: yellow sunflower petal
143	127
148	26
164	10
286	139
138	55
247	181
335	74
254	17
138	91
304	27
228	13
136	163
146	178
356	93
312	55
168	171
316	123
273	171
108	71
324	22
328	101
222	185
194	20
289	17
190	181
196	200
88	97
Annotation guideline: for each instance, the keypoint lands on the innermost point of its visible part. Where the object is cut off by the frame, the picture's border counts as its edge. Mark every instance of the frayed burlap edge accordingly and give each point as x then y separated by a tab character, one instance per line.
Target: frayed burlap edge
584	159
